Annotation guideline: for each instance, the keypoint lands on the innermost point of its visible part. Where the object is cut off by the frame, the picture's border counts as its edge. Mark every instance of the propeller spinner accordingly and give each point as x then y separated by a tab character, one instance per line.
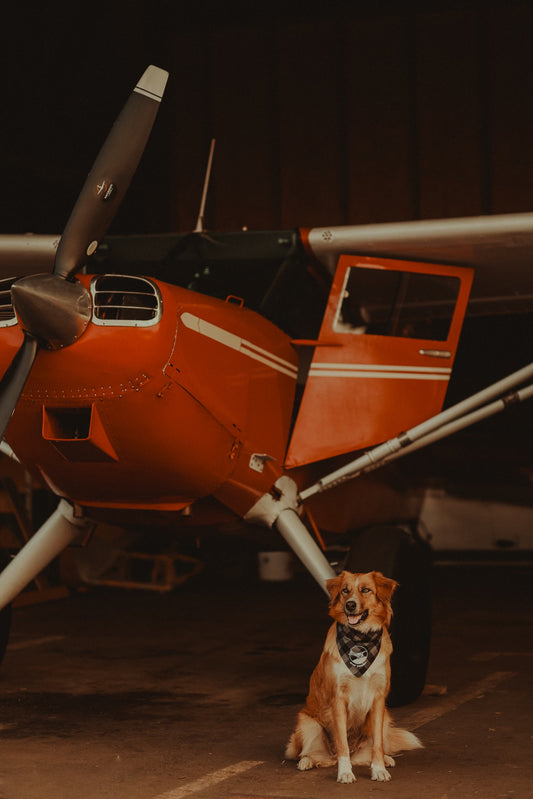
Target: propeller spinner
54	309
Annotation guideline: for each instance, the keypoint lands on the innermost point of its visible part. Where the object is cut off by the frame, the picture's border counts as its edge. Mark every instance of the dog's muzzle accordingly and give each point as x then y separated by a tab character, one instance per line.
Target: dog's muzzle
354	618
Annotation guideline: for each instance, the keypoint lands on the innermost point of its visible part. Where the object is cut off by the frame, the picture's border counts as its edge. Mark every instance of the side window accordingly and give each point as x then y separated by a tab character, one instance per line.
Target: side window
384	302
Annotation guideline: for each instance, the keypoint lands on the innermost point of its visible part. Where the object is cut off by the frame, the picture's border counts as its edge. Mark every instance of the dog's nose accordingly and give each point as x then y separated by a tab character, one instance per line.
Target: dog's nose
351	606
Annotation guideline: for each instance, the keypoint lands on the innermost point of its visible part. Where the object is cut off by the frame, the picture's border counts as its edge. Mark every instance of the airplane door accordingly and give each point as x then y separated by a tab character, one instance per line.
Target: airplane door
384	355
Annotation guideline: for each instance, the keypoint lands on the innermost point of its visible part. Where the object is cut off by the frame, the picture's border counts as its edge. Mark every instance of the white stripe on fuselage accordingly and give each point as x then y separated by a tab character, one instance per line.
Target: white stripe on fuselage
384	371
342	370
239	344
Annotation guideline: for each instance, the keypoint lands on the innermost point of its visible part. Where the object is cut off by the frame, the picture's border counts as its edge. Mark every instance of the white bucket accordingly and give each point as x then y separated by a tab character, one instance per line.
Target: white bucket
275	566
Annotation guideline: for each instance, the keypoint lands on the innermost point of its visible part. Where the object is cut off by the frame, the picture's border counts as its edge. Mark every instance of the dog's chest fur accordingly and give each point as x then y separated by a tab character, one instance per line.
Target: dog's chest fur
358	692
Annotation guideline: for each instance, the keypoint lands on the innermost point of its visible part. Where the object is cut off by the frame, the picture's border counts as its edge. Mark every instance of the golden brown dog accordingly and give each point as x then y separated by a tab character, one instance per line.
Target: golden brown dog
345	719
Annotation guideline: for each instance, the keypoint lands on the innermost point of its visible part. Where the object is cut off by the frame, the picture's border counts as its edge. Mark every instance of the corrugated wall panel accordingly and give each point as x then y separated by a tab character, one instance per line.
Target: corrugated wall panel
309	123
357	118
190	92
245	115
449	114
378	129
511	103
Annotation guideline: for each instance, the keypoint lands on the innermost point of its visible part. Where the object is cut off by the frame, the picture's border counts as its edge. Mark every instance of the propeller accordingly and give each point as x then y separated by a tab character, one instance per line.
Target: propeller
14	379
54	309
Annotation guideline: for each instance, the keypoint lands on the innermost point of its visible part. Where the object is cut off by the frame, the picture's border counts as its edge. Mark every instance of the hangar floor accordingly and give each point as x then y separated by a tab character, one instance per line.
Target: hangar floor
134	695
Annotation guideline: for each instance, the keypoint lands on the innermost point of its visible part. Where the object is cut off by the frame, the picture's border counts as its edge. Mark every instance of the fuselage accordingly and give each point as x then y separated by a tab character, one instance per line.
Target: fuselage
169	396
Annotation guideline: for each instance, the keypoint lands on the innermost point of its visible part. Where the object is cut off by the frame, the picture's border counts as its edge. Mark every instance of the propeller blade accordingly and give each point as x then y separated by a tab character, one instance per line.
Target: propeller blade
14	380
111	174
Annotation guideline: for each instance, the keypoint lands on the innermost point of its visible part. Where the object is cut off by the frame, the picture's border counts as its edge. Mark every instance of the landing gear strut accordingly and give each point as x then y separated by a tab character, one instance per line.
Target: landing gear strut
5	619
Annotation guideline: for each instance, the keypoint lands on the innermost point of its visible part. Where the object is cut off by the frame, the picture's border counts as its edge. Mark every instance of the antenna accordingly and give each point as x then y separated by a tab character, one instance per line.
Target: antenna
200	221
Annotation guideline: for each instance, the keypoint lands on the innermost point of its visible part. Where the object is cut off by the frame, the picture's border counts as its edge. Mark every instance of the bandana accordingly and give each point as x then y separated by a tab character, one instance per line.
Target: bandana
358	650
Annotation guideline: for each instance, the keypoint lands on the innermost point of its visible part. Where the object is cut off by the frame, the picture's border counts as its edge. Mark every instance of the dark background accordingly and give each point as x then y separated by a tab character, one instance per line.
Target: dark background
329	113
324	114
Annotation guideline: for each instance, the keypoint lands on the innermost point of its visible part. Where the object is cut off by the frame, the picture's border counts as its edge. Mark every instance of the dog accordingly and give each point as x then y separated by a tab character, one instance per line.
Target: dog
345	719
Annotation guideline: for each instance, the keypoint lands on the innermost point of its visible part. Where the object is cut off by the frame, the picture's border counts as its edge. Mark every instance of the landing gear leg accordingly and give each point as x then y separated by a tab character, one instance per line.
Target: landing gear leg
60	530
5	620
297	536
280	510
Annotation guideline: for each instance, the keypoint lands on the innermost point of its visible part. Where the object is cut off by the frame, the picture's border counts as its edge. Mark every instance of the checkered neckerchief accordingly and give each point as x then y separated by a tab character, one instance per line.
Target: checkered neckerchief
358	650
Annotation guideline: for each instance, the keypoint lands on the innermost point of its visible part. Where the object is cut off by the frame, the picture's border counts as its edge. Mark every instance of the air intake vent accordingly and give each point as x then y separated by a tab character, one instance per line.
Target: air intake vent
7	313
125	301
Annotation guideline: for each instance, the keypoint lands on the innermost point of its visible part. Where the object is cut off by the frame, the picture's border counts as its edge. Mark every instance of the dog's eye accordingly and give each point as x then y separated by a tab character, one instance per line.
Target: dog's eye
345	590
365	590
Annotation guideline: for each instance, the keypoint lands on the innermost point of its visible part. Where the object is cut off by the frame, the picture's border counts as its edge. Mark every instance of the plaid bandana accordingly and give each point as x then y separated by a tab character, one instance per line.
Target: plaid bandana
358	650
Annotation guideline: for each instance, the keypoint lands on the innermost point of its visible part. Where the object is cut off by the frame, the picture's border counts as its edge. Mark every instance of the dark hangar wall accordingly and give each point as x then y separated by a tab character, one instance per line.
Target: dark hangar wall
344	112
347	119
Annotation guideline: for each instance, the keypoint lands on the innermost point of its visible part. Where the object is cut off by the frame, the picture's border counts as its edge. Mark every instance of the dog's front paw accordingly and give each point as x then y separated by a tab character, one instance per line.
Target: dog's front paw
346	777
344	772
379	773
389	761
305	763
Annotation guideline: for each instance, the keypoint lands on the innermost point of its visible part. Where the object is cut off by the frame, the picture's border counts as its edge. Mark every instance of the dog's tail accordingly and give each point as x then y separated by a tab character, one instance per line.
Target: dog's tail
293	748
397	740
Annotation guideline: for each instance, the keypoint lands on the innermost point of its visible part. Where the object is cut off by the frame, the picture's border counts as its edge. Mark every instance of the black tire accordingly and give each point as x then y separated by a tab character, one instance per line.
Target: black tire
5	618
5	627
401	554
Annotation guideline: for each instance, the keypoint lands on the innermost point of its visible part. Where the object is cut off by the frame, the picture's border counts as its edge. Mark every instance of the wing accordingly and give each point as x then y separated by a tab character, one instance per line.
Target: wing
27	254
498	247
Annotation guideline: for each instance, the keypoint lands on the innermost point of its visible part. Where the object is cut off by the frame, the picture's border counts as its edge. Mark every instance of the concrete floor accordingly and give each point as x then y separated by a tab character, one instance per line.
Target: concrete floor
134	695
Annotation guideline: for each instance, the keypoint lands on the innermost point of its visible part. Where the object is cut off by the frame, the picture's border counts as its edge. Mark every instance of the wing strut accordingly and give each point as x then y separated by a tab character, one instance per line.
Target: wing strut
473	409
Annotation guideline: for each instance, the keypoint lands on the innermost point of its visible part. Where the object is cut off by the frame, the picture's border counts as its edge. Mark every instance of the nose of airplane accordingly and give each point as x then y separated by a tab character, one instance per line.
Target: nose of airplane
54	310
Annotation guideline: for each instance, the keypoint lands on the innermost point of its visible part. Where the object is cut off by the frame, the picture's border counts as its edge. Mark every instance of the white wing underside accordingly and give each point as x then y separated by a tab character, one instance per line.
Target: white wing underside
500	248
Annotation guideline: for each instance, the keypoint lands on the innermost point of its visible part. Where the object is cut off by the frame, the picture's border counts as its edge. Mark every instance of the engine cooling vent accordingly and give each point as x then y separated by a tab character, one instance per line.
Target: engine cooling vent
125	301
7	313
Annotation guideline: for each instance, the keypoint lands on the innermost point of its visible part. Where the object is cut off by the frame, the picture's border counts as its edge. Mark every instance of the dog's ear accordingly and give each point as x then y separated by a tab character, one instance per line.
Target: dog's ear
384	586
333	585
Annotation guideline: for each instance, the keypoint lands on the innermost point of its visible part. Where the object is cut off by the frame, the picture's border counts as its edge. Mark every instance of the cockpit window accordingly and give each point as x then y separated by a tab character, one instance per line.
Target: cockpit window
384	302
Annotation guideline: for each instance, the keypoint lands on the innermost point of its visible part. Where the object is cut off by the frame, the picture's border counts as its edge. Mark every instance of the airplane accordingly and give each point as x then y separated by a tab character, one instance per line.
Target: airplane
243	375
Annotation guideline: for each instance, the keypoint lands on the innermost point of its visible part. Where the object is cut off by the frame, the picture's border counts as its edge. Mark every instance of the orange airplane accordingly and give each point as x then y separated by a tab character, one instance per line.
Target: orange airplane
194	383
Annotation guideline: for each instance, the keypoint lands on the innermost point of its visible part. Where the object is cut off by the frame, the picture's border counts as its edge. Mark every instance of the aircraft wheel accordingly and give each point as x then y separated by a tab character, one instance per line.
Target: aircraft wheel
402	555
5	619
